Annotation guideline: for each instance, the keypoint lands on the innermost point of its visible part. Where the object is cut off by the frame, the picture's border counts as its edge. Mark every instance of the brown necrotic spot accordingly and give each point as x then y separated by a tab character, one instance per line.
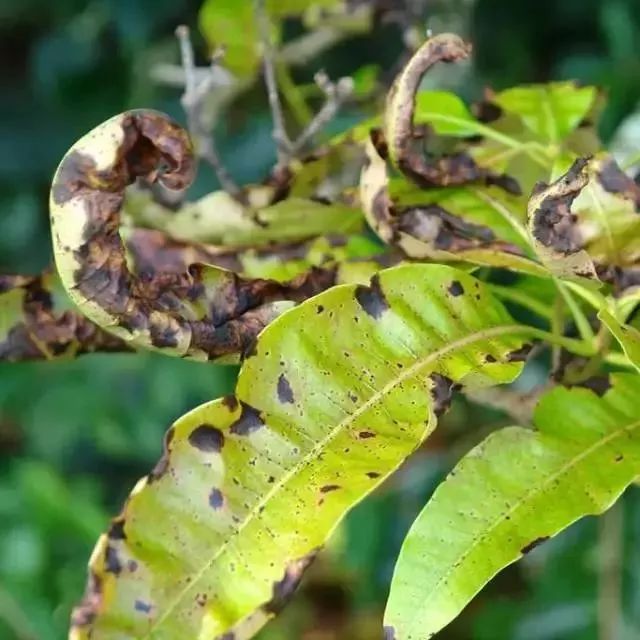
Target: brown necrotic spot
616	181
327	488
285	393
490	358
372	474
248	422
519	355
389	633
116	530
533	544
365	435
207	438
162	466
283	589
372	298
553	223
441	392
112	563
231	402
455	289
142	606
216	498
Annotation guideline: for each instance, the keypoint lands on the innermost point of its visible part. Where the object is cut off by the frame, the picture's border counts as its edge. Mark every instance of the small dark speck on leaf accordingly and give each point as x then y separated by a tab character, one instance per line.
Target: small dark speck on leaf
373	474
216	499
329	487
319	309
456	289
271	479
533	544
619	458
142	607
363	435
489	358
207	438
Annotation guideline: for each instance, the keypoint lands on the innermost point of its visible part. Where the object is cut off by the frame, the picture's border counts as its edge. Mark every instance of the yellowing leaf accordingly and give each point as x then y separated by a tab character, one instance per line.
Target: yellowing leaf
336	394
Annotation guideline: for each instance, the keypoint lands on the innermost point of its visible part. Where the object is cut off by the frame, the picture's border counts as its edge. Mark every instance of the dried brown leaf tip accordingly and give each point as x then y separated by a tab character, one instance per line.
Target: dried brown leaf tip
33	329
405	140
200	312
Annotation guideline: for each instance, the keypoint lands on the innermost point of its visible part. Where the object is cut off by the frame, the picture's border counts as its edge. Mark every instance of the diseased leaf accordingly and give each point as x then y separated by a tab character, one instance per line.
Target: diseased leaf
551	111
453	224
511	493
586	223
337	392
35	322
202	313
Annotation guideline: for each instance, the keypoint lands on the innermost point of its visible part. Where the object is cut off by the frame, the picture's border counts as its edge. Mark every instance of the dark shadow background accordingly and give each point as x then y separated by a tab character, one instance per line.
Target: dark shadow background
75	436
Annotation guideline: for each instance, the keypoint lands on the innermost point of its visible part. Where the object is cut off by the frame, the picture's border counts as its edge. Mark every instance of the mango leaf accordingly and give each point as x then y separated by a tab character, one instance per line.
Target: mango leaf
453	224
232	24
551	111
202	313
511	493
337	392
586	223
627	336
219	219
37	322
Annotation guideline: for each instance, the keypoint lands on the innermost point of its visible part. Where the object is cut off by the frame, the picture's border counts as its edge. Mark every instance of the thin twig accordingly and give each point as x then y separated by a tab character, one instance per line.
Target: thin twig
336	94
193	101
280	136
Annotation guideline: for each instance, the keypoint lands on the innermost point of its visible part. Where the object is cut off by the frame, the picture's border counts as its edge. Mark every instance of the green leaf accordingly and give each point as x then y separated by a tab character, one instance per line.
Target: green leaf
509	494
339	391
219	219
551	111
626	335
446	113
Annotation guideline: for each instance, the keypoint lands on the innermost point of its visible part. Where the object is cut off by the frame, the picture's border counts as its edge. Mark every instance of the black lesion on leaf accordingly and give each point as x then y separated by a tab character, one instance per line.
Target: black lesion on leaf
614	180
285	393
490	358
249	421
519	355
162	466
116	530
142	606
455	289
533	544
365	435
389	633
327	488
230	402
598	384
372	298
206	437
284	588
216	498
372	474
553	223
112	563
441	392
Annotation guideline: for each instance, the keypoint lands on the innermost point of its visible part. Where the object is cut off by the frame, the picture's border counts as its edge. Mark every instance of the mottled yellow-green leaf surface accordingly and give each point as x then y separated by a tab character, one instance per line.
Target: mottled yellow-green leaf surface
337	393
511	493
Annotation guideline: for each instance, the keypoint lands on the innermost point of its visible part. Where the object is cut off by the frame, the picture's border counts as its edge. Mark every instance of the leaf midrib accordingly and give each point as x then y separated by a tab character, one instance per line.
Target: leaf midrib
456	564
405	374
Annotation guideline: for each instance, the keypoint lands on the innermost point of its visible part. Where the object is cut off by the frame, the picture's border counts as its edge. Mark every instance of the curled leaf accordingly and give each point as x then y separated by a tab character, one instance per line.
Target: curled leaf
437	225
511	493
338	391
204	312
401	133
587	222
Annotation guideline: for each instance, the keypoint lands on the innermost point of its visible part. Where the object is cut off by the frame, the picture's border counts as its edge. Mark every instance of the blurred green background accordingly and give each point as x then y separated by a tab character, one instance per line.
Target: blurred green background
75	436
